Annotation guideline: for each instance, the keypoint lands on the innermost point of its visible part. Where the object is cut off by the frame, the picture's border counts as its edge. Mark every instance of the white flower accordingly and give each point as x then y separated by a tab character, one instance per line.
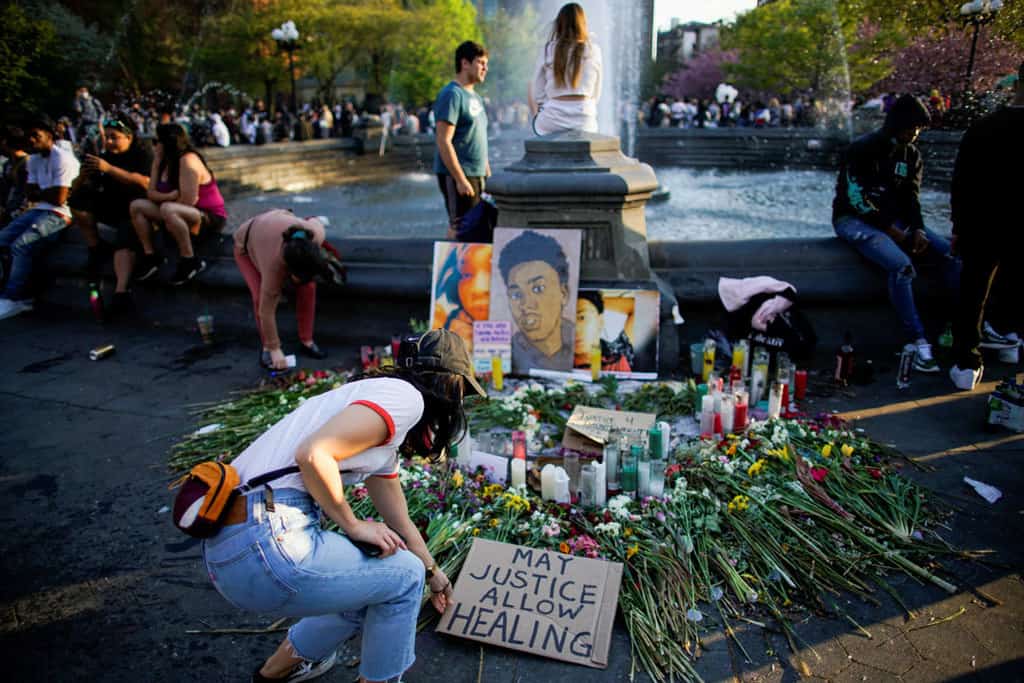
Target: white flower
477	517
613	528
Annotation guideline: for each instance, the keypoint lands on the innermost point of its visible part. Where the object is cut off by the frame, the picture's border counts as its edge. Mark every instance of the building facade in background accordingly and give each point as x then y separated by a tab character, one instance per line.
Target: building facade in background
682	42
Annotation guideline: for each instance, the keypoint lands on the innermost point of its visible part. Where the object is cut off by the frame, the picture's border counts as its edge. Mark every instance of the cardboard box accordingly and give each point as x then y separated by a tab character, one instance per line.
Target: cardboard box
537	601
588	428
1006	411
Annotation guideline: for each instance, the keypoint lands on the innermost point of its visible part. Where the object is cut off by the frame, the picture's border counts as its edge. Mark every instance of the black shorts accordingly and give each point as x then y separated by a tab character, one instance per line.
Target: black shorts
88	200
210	223
458	205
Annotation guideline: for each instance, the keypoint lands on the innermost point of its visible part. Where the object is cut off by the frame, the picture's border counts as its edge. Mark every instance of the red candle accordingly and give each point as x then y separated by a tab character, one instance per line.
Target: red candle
785	397
739	422
718	424
801	384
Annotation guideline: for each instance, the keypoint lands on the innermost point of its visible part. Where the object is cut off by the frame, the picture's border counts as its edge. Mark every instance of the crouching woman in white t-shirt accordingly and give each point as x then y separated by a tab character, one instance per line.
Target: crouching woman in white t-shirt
274	557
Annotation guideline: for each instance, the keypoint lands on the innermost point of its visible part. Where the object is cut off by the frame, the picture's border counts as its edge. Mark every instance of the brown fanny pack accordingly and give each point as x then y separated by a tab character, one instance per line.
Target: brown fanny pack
208	493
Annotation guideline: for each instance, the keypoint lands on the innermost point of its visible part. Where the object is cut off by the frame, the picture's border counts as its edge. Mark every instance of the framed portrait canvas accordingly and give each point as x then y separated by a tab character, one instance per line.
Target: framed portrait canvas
460	287
534	281
624	324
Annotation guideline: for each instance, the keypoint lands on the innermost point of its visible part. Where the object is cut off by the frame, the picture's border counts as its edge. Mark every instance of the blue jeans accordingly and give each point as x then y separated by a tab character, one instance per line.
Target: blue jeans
25	235
283	563
877	247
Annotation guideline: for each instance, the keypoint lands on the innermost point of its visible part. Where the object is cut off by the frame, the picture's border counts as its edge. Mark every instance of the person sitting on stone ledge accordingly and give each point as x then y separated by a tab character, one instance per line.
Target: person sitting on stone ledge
13	175
184	197
103	193
567	78
877	210
51	171
272	249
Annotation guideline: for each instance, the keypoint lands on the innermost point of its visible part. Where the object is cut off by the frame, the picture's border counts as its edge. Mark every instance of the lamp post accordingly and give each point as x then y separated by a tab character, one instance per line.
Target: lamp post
977	12
287	37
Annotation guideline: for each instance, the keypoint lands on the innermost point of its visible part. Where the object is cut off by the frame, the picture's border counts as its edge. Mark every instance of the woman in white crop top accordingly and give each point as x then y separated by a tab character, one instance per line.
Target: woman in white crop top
567	80
272	555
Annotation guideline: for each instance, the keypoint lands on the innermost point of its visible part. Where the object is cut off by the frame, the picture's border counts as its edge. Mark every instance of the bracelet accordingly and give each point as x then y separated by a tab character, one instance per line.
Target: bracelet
447	584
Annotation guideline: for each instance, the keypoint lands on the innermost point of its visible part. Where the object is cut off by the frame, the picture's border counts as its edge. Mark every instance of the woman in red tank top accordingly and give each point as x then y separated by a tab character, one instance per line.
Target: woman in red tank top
184	197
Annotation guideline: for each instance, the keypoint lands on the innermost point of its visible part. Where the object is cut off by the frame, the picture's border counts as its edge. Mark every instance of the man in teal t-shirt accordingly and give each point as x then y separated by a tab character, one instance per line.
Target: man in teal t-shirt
460	161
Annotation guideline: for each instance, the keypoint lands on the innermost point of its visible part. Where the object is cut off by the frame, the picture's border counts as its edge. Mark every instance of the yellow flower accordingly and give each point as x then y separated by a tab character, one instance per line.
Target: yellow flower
563	548
516	503
739	504
495	522
493	489
632	550
732	450
826	450
627	533
846	450
476	532
756	468
457	479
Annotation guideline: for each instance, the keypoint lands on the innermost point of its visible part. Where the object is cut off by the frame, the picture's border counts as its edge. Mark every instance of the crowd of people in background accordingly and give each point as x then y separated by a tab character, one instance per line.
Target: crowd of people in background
801	111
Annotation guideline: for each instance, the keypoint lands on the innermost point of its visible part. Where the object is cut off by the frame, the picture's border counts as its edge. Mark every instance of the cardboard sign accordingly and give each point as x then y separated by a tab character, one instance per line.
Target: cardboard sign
588	428
538	601
492	338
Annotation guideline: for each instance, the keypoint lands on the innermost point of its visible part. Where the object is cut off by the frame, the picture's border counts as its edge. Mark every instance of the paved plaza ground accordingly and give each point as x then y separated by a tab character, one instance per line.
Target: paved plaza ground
98	586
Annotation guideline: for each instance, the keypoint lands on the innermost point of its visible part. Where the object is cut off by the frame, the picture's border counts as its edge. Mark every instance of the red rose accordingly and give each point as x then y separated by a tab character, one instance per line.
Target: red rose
819	474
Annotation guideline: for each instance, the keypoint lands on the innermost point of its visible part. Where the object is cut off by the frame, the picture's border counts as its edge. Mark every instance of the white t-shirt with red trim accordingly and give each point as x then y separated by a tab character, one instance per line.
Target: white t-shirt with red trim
395	400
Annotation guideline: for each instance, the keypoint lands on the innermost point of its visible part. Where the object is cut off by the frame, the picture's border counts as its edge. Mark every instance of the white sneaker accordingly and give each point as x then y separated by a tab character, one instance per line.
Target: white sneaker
10	308
305	671
990	339
924	361
966	379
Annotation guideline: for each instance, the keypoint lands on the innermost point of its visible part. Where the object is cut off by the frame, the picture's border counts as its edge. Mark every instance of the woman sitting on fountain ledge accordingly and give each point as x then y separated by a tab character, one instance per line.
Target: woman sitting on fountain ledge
183	195
567	80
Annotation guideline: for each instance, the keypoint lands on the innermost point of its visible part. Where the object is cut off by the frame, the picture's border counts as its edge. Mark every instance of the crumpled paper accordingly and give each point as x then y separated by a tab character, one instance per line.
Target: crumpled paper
986	491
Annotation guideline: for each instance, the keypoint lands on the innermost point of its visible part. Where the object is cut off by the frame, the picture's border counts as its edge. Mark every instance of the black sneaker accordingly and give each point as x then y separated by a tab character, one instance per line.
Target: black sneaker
123	305
187	269
148	266
311	350
990	339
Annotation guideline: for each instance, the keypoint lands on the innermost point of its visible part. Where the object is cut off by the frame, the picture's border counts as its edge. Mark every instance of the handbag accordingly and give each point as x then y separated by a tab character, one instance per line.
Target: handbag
207	493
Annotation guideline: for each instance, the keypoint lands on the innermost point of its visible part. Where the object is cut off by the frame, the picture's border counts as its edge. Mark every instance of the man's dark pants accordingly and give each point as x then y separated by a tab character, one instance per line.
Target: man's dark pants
458	205
981	266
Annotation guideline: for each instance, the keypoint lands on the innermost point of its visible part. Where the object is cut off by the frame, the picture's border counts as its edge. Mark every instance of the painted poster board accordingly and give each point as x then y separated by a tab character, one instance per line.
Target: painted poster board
534	282
536	601
492	338
624	322
460	287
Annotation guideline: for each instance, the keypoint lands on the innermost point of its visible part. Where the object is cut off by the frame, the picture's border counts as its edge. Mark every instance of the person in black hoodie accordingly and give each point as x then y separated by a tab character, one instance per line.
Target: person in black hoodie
877	210
986	178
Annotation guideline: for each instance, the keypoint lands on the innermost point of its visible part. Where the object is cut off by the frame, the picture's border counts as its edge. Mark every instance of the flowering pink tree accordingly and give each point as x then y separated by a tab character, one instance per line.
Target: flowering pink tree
939	61
700	76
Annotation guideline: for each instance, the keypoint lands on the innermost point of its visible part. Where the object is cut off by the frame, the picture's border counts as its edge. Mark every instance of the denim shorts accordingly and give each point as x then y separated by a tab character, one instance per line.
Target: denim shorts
283	563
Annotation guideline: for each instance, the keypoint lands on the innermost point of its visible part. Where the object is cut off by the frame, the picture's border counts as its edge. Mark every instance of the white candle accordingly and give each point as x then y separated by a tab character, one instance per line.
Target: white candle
707	404
547	482
666	434
562	486
600	484
728	413
643	477
518	472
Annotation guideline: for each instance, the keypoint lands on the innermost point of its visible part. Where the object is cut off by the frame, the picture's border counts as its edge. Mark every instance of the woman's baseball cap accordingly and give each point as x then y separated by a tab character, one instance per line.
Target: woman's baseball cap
445	350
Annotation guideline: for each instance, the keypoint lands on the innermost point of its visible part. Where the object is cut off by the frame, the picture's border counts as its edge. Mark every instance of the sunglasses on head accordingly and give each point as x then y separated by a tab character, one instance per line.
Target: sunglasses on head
114	123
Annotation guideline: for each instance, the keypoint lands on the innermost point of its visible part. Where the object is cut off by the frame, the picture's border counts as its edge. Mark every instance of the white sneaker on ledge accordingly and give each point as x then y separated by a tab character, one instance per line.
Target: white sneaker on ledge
965	379
990	339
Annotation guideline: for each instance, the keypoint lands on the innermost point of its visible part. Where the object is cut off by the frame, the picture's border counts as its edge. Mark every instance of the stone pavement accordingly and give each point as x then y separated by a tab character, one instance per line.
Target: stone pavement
97	584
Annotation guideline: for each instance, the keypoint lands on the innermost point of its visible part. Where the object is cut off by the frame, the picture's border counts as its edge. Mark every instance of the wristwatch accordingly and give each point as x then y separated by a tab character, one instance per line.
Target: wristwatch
430	570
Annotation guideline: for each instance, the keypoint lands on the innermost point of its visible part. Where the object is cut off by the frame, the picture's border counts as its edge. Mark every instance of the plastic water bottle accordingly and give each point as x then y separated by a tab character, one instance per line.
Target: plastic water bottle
96	302
906	366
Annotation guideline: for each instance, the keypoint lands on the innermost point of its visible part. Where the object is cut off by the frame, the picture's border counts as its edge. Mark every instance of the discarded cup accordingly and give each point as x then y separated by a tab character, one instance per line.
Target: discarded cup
205	323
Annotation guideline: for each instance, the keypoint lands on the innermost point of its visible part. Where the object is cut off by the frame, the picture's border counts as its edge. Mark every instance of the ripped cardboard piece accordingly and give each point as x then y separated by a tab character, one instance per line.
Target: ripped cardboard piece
588	428
536	601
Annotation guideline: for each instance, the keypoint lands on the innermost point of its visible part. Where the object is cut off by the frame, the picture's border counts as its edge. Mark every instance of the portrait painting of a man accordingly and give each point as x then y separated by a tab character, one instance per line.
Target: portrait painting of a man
535	285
